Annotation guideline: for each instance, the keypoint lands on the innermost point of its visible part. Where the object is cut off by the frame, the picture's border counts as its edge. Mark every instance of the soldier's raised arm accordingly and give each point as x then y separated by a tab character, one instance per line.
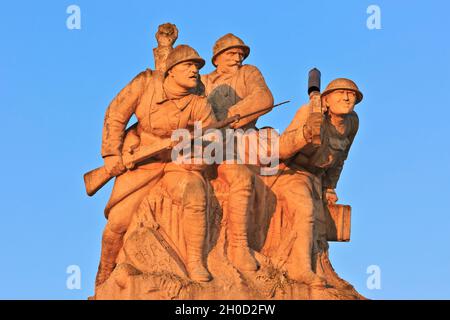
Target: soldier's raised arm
166	36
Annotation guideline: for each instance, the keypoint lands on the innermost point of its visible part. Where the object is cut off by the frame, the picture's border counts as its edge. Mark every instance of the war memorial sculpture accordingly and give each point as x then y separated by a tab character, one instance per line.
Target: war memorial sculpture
205	205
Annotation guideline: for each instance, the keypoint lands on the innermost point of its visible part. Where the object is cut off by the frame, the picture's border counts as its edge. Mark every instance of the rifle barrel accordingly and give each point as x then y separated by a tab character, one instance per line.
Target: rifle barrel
270	108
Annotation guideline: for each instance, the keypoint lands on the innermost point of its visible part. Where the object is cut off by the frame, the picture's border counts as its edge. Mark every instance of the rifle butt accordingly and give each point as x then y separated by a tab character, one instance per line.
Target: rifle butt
95	179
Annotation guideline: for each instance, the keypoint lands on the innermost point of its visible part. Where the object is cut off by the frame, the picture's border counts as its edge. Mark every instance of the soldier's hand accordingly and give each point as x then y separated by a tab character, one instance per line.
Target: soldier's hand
330	196
235	124
166	35
314	120
114	165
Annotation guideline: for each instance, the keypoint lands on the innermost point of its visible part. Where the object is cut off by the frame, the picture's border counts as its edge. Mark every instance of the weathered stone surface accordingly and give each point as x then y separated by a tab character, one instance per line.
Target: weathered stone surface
183	228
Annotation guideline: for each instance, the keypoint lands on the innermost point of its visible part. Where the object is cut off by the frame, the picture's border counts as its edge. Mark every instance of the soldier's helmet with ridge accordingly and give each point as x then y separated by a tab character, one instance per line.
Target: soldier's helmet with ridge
343	84
183	53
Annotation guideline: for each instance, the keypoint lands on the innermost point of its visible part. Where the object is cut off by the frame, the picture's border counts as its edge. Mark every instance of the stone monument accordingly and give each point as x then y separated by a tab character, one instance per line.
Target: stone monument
255	222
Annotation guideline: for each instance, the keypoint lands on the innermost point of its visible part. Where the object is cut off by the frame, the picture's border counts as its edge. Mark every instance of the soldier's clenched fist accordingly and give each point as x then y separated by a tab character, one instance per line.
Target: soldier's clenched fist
114	165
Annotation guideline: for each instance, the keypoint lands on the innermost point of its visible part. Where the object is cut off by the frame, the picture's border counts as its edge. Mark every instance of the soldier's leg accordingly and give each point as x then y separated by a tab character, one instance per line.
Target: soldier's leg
118	221
188	188
299	195
241	182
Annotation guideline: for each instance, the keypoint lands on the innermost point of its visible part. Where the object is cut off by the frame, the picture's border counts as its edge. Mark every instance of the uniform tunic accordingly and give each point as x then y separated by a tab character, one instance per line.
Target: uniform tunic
157	117
242	92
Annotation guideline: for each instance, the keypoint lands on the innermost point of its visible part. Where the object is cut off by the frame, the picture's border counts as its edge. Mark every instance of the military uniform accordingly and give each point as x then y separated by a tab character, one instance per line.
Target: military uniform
159	112
308	171
241	92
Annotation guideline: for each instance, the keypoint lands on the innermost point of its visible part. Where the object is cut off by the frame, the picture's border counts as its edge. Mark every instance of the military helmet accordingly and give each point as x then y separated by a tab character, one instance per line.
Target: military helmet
226	42
182	53
343	84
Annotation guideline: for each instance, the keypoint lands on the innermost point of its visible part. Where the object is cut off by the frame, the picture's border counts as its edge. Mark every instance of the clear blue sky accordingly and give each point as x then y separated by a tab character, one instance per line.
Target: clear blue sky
55	85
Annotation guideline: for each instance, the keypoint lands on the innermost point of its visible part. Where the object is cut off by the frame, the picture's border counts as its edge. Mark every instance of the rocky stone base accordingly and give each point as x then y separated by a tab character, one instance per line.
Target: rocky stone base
126	282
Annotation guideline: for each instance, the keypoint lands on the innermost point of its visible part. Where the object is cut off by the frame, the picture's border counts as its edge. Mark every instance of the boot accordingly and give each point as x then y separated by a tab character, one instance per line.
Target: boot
242	259
198	272
238	250
307	277
111	245
195	231
299	264
241	186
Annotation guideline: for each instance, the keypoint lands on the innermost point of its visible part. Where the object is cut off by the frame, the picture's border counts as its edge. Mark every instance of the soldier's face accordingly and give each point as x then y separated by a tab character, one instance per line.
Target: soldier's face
230	58
185	74
341	101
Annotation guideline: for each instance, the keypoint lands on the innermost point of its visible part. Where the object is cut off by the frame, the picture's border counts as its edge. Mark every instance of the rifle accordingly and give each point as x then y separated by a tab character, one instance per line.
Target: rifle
95	179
